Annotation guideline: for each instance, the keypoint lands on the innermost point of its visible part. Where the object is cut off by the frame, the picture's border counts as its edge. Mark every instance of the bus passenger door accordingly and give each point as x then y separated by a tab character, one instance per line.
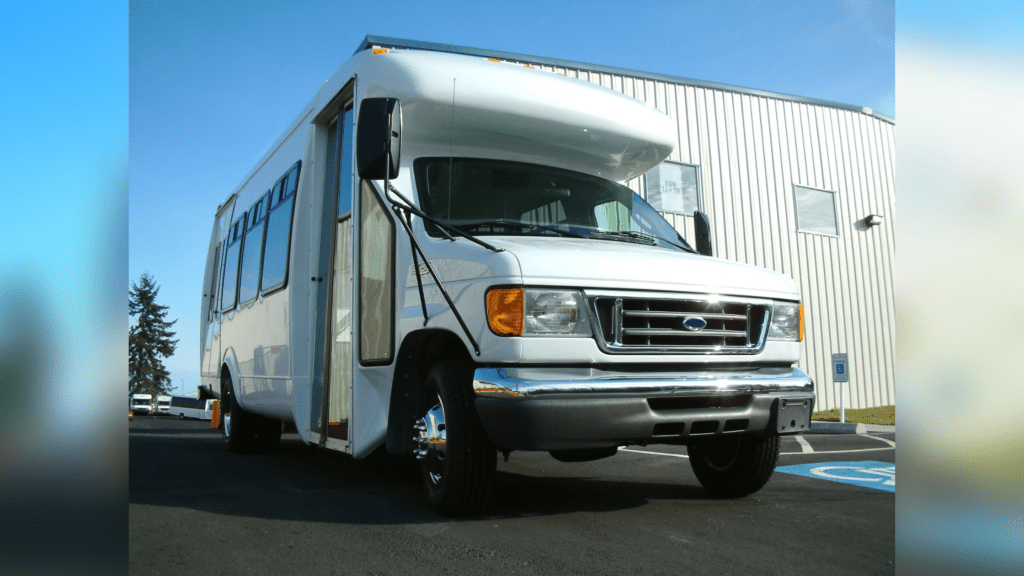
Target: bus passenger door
211	303
330	393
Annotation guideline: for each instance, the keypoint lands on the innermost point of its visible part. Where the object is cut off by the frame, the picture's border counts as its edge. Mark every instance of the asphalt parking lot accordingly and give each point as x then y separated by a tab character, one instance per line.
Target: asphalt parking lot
196	509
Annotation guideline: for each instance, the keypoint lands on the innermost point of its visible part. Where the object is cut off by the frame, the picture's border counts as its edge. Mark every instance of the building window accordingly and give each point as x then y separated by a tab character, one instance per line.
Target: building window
815	211
672	187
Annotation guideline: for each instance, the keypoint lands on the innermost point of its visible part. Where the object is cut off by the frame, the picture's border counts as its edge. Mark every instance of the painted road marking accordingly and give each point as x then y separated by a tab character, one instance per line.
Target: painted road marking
805	446
801	453
654	453
886	440
868	473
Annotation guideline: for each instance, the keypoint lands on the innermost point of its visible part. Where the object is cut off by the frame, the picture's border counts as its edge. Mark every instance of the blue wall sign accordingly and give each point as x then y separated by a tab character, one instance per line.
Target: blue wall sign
867	473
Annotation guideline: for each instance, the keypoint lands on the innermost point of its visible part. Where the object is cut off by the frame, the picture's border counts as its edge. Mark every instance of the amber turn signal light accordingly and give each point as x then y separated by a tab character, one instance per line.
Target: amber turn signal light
505	311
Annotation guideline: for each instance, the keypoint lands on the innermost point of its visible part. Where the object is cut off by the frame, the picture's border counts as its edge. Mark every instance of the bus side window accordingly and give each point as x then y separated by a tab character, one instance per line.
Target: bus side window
278	234
229	287
251	252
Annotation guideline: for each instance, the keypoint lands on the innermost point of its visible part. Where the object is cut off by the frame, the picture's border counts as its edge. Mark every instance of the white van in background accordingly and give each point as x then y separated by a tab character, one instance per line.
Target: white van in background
163	404
440	257
142	404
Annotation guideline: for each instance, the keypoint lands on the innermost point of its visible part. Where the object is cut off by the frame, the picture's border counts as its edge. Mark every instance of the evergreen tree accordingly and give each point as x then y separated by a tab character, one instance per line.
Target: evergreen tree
149	340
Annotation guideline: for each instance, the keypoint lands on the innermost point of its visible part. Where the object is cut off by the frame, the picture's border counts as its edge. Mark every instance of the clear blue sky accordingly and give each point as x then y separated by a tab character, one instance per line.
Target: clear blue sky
213	84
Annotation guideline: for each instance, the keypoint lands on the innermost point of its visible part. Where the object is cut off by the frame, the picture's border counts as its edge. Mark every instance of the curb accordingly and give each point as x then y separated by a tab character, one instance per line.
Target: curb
820	427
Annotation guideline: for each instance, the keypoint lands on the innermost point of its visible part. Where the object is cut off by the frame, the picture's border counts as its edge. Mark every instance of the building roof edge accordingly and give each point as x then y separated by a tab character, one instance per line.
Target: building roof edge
390	42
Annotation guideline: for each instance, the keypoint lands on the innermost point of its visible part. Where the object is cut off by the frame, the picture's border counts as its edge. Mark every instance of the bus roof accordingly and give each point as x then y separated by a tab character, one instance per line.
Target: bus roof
469	106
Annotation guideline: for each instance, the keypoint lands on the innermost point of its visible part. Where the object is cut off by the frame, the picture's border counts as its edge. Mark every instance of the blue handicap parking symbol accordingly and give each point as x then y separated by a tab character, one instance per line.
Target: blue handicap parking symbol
840	369
867	473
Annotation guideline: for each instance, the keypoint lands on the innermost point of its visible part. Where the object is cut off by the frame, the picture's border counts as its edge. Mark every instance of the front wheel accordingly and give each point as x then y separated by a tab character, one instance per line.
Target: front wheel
734	466
243	431
457	460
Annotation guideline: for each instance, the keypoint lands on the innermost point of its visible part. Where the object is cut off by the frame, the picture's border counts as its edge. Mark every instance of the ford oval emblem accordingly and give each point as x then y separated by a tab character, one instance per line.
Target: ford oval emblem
694	323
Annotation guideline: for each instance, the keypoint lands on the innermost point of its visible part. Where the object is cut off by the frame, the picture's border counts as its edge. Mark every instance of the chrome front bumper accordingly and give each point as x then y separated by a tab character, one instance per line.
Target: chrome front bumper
575	408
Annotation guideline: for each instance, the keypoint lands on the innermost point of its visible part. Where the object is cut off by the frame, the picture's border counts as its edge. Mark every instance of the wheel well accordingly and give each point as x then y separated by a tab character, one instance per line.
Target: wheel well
419	351
225	376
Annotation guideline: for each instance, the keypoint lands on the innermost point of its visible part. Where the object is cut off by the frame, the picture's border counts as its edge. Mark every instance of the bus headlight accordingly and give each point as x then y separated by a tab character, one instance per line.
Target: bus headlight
555	313
787	322
537	312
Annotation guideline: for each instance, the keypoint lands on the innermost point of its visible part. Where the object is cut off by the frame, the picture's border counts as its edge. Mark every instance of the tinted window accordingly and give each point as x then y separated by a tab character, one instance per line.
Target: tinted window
291	181
275	254
215	281
229	288
249	281
482	195
345	169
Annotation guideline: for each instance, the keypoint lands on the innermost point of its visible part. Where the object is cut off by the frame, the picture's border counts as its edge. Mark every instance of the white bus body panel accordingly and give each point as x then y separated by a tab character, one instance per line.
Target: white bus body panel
465	107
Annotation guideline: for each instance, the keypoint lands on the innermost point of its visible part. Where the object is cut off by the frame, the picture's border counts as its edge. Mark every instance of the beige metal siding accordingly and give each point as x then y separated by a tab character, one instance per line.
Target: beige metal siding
750	152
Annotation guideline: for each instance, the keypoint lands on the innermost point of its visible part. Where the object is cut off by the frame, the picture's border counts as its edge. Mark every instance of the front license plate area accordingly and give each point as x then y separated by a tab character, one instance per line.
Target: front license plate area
793	415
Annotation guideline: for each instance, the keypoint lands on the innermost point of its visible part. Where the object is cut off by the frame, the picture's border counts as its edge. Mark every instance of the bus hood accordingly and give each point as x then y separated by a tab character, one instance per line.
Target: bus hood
616	265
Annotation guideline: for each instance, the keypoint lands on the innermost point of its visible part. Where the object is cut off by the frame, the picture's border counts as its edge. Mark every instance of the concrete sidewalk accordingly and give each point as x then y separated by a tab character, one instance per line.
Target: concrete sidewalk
823	427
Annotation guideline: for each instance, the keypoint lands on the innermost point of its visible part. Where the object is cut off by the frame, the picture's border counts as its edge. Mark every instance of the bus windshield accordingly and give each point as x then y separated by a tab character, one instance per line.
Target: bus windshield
498	197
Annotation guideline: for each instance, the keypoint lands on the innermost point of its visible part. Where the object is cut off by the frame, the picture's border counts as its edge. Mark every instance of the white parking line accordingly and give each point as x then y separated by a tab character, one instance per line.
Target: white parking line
804	444
782	453
654	453
836	451
886	440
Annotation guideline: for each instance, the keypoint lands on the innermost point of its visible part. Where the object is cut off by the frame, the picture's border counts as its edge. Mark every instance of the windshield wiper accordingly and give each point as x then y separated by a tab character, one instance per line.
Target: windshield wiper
639	238
625	236
517	223
685	245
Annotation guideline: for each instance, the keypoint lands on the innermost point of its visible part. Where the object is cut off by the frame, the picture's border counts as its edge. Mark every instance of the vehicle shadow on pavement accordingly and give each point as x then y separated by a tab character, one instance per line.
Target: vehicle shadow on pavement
189	468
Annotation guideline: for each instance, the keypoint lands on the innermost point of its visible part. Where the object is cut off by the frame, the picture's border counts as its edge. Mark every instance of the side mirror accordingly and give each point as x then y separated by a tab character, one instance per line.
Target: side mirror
702	227
379	138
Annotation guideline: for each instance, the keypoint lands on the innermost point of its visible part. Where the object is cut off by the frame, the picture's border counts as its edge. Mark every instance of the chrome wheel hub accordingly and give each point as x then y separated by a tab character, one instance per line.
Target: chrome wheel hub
432	440
227	419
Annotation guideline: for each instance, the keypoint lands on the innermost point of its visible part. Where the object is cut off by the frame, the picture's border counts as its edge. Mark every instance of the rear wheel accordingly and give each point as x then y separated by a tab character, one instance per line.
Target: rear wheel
734	466
457	460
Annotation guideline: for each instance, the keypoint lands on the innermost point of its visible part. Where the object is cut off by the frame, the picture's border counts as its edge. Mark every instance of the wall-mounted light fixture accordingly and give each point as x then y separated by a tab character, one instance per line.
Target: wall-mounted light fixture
873	220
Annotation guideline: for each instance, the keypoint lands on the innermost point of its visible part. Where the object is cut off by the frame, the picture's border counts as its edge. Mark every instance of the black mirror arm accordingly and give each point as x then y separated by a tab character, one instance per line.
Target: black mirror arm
408	207
416	264
416	248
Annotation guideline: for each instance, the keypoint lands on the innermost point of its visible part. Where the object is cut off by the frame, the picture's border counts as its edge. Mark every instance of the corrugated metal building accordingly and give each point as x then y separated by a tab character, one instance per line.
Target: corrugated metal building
801	186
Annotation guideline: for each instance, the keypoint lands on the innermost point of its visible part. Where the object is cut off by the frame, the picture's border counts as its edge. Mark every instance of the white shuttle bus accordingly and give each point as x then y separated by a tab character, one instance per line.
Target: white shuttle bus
439	257
190	407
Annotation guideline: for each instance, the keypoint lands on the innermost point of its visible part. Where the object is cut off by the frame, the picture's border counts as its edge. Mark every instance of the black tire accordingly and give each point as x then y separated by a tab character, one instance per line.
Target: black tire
734	466
181	416
460	482
234	428
246	432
